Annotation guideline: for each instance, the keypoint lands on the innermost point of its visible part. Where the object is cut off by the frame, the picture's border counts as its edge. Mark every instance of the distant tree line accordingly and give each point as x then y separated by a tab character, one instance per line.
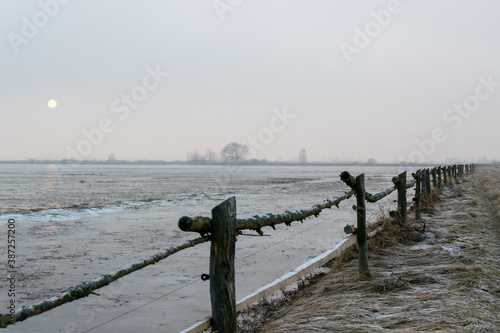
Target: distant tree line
233	153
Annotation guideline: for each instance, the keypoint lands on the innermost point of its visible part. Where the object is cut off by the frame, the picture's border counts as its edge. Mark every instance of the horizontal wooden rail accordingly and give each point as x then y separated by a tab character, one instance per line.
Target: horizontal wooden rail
372	198
87	288
203	226
376	197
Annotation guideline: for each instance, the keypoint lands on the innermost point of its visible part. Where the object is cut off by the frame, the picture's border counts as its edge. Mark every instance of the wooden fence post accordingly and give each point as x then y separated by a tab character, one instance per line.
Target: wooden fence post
361	224
455	176
428	182
440	182
445	176
434	177
449	175
400	182
222	252
417	195
423	183
467	169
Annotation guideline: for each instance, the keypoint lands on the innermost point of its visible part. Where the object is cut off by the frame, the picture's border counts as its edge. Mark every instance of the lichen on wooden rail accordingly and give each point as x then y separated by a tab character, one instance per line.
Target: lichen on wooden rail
372	198
86	288
202	225
411	184
376	197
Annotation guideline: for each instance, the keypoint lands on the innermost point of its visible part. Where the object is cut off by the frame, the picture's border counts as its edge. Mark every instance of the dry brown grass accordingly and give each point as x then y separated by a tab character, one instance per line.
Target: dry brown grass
254	318
490	186
428	203
446	279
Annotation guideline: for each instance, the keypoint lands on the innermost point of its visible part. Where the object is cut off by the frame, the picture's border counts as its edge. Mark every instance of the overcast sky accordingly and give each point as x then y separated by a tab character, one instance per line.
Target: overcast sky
391	80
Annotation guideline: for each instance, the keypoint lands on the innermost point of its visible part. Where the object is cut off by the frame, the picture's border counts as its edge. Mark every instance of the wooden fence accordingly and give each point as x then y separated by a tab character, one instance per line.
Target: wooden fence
223	226
221	230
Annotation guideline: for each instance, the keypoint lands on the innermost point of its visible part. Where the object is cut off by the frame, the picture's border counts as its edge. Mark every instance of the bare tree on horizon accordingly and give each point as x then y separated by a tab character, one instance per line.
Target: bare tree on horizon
211	156
195	157
234	152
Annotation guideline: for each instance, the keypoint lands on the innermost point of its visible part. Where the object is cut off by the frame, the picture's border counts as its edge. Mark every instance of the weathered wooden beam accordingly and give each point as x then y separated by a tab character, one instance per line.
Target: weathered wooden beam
222	253
423	183
445	176
417	176
434	177
427	182
202	225
372	198
348	179
410	184
440	181
87	288
400	183
361	225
